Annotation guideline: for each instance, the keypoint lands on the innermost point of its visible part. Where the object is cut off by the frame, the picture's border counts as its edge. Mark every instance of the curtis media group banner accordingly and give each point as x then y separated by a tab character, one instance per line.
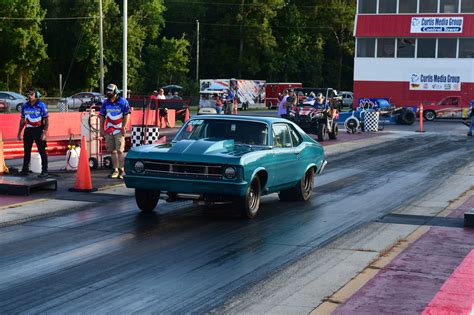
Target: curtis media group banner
436	25
435	82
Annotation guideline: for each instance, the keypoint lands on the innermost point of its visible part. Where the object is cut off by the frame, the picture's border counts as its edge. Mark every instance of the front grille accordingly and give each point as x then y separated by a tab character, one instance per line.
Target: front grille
181	169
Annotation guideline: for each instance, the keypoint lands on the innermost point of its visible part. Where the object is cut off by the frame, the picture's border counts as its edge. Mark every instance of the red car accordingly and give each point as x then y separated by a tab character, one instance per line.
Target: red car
448	107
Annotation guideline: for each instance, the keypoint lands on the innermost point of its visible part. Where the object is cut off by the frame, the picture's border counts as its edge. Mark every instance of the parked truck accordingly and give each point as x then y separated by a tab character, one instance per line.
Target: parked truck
249	93
454	106
274	92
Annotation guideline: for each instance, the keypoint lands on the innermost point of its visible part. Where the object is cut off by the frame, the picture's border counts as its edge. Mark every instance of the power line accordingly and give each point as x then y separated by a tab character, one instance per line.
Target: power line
49	19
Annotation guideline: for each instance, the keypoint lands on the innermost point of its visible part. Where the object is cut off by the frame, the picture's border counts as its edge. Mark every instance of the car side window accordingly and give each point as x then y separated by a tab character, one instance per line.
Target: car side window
3	95
295	137
281	136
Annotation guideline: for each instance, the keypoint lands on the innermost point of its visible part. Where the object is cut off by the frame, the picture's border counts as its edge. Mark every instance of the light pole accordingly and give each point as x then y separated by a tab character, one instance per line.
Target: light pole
124	69
197	52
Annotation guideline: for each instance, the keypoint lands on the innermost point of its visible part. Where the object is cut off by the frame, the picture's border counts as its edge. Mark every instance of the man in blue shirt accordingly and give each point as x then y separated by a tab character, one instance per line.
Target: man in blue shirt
114	115
34	118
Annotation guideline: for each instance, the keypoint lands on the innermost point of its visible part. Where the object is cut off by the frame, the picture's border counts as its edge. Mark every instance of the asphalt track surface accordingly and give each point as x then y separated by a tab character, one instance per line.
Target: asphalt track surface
111	258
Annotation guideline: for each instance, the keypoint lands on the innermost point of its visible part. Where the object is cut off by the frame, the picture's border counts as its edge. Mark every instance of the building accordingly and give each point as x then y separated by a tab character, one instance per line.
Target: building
414	51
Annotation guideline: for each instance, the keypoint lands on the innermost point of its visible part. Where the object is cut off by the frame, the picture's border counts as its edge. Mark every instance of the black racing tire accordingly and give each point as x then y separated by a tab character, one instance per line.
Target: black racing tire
429	115
321	131
302	191
334	131
146	199
406	117
18	107
250	203
93	163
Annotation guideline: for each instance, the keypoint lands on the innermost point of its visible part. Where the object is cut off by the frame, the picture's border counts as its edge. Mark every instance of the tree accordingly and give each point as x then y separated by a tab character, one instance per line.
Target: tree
339	16
23	47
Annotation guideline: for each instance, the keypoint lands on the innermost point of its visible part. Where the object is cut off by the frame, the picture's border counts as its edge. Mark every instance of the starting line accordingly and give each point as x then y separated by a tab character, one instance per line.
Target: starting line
15	185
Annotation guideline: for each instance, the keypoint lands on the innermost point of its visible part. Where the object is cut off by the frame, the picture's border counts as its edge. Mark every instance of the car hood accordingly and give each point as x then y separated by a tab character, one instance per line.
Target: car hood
203	150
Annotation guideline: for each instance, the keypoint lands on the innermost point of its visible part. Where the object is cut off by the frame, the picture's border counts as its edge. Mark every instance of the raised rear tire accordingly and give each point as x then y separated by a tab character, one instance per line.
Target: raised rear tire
250	203
146	199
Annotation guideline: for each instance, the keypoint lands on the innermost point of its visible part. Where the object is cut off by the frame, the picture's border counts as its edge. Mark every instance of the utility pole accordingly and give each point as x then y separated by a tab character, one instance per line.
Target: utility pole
197	52
60	85
124	69
101	48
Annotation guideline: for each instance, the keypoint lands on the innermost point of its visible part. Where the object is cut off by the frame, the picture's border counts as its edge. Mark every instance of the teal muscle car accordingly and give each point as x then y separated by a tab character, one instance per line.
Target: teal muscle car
227	158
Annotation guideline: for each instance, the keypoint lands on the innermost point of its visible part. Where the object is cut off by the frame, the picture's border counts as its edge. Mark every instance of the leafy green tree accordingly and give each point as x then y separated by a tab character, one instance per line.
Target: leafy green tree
339	41
23	47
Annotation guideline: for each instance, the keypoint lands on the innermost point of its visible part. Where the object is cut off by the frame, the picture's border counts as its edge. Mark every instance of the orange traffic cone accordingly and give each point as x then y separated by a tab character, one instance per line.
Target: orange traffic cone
83	176
186	115
3	166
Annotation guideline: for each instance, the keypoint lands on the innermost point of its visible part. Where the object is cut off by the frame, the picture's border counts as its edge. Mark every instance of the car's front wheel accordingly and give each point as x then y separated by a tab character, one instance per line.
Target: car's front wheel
250	203
146	199
429	115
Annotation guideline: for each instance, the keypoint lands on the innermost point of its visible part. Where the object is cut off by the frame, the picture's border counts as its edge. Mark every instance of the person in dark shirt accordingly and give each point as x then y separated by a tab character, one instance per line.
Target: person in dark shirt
34	118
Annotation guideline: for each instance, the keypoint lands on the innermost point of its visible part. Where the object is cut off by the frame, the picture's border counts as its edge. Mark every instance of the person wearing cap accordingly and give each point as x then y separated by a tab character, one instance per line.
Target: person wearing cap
114	115
34	118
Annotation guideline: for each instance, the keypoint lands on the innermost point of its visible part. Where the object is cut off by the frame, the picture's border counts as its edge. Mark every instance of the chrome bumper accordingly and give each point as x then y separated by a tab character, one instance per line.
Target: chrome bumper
323	165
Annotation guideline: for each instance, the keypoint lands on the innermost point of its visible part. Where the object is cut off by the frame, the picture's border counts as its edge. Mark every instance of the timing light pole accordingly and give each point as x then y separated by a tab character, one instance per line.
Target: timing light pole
197	52
124	69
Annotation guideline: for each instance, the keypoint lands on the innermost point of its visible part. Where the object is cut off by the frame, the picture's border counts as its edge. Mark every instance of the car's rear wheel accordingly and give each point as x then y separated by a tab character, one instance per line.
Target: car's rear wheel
302	191
18	107
146	199
429	115
250	203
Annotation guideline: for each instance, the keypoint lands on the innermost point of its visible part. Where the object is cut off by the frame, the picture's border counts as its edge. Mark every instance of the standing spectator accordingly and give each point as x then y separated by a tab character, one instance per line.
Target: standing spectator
218	103
281	107
229	102
34	116
176	96
471	115
114	115
163	111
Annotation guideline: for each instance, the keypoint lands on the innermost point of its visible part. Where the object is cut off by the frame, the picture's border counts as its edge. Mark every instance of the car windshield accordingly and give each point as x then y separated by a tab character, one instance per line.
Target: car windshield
242	132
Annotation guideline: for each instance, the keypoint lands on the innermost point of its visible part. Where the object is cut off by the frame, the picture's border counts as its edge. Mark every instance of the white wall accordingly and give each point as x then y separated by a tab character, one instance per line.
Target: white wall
401	69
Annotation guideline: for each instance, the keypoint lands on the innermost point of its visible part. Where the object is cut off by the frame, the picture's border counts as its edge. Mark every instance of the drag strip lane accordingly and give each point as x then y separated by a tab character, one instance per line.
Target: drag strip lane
110	258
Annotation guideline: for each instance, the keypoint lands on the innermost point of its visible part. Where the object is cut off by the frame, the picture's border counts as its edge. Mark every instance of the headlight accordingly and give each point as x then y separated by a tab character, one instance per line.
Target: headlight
230	172
139	167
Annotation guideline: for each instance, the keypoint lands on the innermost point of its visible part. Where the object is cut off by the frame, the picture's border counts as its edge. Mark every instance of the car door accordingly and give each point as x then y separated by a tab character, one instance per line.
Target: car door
450	108
286	157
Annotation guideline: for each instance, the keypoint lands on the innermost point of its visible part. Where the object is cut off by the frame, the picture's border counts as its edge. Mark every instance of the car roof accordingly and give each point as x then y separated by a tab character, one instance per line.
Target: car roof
268	120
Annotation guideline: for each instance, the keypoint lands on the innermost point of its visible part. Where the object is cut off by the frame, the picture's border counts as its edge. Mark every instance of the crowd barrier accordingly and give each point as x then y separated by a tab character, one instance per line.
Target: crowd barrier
66	126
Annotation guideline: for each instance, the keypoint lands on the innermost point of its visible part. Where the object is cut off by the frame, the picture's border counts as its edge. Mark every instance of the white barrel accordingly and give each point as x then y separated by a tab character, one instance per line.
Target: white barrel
35	163
371	121
72	159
